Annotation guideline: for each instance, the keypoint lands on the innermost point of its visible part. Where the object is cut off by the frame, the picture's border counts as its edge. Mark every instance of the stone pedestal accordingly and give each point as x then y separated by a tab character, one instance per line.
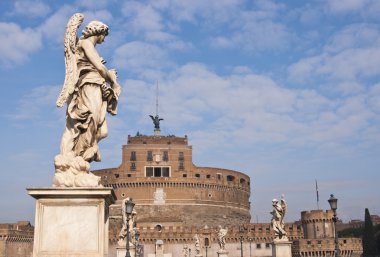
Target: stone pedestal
121	251
222	253
71	222
282	248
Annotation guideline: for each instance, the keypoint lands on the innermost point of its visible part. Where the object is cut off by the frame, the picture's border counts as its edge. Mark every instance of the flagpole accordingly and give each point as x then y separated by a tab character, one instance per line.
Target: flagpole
316	189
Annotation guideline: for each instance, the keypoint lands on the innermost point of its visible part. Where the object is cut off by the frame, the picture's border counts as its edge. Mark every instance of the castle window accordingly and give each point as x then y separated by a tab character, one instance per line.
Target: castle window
149	172
267	245
133	166
208	176
157	172
184	175
219	176
258	246
197	175
149	156
116	175
181	166
165	158
165	172
158	228
129	175
230	178
133	156
181	157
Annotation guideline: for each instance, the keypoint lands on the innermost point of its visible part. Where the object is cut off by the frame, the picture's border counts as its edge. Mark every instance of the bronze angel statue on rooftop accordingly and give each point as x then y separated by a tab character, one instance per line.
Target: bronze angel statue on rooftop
90	90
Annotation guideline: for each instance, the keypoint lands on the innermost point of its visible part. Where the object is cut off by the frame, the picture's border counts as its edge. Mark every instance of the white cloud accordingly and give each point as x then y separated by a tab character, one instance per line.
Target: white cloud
18	43
249	108
138	56
197	10
254	30
89	4
28	8
53	28
344	6
31	106
354	36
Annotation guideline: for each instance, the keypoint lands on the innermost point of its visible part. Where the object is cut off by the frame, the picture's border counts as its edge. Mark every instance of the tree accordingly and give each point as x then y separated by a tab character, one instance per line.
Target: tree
369	242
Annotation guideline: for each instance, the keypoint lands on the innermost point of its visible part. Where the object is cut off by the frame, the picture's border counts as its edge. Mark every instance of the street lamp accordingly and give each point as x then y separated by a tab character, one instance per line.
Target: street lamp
250	246
207	243
128	209
241	233
334	205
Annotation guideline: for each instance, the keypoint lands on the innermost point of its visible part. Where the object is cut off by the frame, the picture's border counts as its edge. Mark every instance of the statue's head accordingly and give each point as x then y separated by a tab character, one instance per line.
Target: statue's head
274	201
95	28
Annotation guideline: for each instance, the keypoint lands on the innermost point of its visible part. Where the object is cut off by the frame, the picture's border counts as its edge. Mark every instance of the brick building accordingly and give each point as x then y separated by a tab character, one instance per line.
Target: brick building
16	240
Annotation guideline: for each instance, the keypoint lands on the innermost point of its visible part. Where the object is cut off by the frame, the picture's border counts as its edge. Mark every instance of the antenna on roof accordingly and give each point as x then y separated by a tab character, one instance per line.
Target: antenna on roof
156	119
157	98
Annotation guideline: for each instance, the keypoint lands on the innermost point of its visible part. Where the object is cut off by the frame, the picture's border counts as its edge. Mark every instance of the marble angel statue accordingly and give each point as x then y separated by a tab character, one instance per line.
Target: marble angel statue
221	238
90	90
277	222
197	243
186	251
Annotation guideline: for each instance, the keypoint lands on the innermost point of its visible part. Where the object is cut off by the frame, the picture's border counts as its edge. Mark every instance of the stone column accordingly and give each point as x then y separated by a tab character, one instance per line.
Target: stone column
282	248
71	222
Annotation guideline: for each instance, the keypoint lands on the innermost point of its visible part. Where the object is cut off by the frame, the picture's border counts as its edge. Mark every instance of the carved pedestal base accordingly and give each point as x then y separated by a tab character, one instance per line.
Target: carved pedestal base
71	222
282	248
222	253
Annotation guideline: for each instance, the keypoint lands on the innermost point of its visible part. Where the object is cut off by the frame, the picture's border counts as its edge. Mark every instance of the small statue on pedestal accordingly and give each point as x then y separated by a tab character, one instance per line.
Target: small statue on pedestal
221	238
277	221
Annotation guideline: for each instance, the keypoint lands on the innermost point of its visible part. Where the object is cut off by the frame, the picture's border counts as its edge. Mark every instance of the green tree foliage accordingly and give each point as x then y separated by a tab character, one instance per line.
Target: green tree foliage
351	232
377	238
369	242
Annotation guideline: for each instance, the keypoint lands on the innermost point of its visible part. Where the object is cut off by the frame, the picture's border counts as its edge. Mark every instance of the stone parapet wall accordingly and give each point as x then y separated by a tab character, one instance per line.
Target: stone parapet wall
349	247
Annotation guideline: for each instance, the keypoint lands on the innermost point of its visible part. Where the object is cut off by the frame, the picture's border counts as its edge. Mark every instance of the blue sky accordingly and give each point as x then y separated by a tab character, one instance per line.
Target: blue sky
287	92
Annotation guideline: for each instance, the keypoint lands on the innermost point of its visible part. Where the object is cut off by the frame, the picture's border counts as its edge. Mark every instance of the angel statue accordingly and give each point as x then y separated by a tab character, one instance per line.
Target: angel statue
277	221
90	90
221	238
156	121
197	245
186	251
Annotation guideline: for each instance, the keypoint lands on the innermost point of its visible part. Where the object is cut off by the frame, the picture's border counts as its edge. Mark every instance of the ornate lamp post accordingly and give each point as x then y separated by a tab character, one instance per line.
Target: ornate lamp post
334	205
128	209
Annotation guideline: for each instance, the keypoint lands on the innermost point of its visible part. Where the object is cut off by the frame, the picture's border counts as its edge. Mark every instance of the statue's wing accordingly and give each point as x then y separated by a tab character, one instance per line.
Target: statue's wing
283	206
70	45
151	117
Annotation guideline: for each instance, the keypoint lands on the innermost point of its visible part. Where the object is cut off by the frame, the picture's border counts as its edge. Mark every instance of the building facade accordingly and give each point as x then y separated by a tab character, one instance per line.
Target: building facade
318	240
16	239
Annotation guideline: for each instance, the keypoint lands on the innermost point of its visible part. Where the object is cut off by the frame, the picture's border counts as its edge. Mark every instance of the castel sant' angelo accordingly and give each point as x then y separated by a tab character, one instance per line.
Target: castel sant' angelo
175	200
173	194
